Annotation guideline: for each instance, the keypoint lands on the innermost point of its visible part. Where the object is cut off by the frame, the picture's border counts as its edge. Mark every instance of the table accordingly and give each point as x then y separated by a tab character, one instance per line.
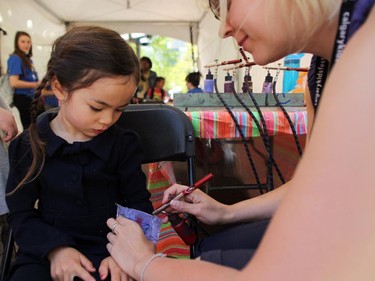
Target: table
216	123
220	150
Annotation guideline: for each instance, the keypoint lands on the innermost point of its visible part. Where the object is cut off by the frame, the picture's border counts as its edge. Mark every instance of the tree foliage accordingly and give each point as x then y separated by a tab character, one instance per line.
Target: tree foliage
171	59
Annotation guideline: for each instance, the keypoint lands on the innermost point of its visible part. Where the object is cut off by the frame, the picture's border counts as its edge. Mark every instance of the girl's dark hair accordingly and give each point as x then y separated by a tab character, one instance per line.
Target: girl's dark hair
79	58
193	78
24	57
158	79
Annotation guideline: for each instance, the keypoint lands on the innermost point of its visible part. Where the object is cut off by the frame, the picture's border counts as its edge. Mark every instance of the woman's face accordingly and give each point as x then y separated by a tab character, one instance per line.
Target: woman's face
24	43
246	21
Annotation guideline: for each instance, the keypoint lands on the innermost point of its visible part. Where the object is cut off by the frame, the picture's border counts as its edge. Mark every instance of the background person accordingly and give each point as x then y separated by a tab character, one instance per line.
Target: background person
8	130
156	92
22	76
147	80
80	164
321	228
192	82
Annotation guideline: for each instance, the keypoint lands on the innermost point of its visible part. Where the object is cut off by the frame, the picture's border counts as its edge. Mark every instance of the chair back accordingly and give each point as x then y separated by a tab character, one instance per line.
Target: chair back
166	133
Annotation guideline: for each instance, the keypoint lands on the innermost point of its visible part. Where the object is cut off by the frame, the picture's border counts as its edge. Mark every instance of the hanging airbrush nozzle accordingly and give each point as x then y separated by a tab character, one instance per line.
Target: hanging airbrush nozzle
249	64
299	69
223	63
244	55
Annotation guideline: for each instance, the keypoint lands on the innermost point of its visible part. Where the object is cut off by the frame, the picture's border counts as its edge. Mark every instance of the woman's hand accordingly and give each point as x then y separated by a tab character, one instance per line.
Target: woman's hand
8	125
108	265
67	263
203	207
128	245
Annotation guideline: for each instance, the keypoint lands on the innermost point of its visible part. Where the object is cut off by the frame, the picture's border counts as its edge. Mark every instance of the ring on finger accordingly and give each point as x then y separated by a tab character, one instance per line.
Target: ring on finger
114	227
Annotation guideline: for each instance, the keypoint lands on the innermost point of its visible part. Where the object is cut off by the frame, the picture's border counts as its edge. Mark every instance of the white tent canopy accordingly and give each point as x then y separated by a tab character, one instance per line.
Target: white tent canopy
45	20
156	17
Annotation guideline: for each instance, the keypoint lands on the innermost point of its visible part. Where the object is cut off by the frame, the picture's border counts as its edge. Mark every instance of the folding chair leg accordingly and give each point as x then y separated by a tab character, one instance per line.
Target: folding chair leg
7	254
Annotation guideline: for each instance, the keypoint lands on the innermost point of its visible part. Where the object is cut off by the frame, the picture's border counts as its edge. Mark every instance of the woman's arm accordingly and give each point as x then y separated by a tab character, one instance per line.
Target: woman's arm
210	211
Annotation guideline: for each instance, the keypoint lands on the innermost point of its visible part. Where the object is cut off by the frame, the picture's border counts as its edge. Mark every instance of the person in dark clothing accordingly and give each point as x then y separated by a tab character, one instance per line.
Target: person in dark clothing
68	171
147	80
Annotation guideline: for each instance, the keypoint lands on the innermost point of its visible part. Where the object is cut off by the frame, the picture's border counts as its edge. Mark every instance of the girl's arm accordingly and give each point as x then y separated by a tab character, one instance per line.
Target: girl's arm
132	180
31	233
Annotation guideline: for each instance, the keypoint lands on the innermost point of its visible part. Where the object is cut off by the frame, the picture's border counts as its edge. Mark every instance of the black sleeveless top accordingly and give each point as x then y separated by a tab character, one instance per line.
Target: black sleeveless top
320	67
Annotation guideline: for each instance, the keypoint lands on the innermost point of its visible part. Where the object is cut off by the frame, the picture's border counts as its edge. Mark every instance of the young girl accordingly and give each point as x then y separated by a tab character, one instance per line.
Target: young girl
157	93
22	75
70	169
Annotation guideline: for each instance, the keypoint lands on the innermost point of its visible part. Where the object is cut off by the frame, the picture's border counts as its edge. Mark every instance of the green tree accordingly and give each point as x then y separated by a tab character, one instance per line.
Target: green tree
171	59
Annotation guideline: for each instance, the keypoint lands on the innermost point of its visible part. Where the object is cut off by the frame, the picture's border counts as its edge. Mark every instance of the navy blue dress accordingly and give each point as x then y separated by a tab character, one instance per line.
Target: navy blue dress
75	192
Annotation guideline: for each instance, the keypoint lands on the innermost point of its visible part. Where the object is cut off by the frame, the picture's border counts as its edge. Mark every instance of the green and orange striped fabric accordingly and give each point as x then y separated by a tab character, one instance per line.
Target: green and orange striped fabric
216	123
160	177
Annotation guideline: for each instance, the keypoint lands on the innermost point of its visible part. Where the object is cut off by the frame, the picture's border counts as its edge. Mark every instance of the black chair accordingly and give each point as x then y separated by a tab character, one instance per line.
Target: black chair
7	254
166	133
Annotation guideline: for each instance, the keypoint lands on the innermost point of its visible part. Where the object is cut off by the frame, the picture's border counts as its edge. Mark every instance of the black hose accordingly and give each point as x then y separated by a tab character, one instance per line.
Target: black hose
288	118
238	127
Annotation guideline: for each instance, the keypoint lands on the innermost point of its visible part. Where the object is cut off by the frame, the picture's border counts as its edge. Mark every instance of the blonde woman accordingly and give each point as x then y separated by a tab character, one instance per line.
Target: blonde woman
321	227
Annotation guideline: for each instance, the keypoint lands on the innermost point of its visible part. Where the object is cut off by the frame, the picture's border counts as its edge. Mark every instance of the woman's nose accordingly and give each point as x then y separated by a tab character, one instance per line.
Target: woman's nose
225	29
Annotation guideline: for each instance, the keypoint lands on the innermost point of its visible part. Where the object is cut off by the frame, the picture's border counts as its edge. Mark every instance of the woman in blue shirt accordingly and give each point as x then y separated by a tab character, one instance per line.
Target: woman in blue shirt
22	76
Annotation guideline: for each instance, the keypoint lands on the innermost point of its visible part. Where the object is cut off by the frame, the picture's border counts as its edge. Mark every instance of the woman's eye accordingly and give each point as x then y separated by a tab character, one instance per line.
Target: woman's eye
94	108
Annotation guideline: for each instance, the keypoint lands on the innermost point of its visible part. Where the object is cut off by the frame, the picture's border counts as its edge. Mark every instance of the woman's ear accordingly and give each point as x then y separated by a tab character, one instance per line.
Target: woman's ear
58	90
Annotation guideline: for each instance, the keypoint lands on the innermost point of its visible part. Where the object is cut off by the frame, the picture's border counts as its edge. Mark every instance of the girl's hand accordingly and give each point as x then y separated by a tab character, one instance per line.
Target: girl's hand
67	263
128	246
108	265
203	207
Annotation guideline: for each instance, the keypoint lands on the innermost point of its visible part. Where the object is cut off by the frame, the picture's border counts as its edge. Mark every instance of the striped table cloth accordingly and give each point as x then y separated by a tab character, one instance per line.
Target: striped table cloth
216	123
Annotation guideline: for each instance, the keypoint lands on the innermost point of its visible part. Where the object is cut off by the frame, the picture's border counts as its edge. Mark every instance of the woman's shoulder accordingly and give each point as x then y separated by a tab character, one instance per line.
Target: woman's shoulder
14	58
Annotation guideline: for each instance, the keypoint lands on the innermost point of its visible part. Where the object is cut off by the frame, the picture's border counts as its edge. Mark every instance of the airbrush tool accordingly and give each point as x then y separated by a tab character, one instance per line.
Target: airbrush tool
185	192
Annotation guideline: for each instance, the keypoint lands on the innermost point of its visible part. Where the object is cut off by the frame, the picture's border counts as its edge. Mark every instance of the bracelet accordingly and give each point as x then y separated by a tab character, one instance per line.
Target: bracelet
159	255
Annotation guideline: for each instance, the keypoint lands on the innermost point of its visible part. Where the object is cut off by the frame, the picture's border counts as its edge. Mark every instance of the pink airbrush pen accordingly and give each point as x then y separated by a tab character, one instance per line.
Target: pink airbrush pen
185	192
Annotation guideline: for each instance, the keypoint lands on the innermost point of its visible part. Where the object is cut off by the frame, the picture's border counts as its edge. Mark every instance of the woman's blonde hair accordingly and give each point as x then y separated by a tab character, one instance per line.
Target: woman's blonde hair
310	13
